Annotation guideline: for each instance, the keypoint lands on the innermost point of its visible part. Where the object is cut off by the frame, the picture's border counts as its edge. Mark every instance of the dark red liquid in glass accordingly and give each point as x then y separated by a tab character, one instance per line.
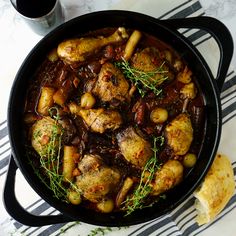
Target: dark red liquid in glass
34	8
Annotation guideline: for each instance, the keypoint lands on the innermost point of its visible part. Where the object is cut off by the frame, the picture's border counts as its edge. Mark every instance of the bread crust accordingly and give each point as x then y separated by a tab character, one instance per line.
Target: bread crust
216	190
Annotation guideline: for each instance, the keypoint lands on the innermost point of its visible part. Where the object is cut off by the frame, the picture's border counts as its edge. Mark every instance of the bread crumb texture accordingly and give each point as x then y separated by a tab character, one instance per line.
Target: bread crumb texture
216	190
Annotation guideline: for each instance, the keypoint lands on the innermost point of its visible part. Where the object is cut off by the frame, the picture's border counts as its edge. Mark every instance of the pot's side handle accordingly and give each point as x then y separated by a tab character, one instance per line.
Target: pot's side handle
219	32
17	211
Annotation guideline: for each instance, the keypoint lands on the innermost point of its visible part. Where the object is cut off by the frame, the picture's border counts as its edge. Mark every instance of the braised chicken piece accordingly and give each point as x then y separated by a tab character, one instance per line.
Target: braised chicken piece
133	147
179	134
100	120
96	179
167	177
148	60
111	84
78	50
44	132
185	76
189	91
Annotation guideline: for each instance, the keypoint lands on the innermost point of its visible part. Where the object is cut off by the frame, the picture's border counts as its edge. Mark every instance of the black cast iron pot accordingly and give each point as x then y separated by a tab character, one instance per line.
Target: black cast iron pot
165	30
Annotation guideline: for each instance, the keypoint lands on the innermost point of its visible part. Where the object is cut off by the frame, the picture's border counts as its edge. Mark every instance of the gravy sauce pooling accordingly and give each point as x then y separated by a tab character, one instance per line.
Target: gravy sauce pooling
114	119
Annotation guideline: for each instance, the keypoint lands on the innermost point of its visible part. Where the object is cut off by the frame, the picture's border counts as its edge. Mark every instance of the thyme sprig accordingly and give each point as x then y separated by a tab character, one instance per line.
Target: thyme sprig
50	159
137	199
100	231
50	162
143	80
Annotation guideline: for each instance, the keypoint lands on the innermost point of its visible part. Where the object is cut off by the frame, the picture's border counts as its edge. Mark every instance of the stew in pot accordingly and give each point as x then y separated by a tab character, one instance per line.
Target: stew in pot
114	119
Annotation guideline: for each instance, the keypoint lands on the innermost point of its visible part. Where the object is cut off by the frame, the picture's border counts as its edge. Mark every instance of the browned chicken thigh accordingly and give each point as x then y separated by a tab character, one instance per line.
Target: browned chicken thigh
148	60
78	50
96	179
111	84
179	134
133	147
100	120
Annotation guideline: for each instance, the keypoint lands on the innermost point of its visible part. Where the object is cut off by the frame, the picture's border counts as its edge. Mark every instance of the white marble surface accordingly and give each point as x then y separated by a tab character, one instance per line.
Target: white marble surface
225	11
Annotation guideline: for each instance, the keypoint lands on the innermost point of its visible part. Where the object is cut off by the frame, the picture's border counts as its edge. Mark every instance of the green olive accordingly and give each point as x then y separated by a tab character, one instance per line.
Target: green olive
159	115
87	100
106	205
189	160
74	197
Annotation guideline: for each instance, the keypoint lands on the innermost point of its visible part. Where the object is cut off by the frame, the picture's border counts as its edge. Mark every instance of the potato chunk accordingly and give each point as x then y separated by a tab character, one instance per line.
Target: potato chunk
131	44
68	162
128	183
106	206
167	177
45	100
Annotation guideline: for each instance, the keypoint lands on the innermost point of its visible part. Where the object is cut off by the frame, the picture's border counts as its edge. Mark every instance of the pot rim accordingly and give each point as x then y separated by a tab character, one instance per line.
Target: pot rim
52	38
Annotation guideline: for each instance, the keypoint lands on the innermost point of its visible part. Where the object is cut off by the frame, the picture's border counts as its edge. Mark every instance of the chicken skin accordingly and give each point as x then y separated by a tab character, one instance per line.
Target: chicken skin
133	147
148	60
100	120
78	50
111	84
179	134
96	179
44	132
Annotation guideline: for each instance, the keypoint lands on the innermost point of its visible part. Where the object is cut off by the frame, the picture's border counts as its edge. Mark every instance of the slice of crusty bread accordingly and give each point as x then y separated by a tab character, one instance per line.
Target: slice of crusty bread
215	191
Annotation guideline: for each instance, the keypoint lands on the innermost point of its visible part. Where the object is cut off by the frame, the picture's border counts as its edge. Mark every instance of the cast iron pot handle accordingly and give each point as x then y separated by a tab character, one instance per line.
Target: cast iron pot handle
17	211
219	32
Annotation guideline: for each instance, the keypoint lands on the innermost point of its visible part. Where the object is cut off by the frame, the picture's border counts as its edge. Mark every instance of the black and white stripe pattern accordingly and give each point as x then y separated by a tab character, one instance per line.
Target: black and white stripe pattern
4	148
181	220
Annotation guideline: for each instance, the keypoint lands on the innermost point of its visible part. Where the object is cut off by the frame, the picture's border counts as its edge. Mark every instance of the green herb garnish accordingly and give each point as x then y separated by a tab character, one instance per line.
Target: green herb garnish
137	200
50	159
50	162
99	231
69	226
143	80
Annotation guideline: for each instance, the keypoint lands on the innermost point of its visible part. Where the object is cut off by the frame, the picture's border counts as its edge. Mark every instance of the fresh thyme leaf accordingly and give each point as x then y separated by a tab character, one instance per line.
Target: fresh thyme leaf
69	226
49	161
99	231
143	80
137	200
51	164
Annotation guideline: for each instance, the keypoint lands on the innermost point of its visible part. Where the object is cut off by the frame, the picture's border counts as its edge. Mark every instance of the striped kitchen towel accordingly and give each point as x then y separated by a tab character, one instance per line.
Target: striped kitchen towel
180	221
